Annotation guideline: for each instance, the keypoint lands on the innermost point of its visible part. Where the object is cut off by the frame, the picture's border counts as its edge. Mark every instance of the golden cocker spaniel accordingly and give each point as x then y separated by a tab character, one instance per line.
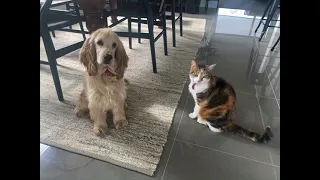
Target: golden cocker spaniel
104	89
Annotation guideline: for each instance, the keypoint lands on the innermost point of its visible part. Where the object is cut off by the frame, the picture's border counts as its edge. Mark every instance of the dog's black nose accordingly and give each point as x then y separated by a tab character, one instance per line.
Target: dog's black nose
107	58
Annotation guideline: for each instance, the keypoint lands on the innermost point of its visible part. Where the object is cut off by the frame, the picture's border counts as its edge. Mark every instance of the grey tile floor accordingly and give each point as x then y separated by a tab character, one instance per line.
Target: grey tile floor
192	150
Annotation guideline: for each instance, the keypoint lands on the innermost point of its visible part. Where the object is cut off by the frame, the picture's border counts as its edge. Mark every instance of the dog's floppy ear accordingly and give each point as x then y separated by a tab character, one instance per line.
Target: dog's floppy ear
88	56
122	59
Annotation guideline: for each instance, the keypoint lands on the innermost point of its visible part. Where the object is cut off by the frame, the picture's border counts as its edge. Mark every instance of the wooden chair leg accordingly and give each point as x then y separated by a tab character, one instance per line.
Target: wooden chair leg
264	14
151	39
180	7
164	24
80	21
275	45
173	17
48	44
269	18
130	31
139	29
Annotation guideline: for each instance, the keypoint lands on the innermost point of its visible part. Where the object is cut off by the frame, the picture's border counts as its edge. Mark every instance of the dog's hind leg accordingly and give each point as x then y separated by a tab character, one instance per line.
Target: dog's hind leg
82	105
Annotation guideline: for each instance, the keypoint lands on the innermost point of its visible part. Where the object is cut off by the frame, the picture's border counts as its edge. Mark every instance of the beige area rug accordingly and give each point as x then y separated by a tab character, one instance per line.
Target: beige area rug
152	99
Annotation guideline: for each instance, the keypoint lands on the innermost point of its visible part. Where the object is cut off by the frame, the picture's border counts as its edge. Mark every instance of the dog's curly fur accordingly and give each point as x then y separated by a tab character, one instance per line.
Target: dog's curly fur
100	94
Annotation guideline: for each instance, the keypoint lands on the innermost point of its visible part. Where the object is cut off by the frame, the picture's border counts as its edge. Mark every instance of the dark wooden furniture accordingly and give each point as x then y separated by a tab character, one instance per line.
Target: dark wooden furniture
269	12
95	15
51	20
275	44
173	4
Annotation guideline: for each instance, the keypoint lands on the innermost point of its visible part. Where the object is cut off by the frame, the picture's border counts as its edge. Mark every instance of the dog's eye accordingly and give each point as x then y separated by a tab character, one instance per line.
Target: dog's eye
114	45
100	43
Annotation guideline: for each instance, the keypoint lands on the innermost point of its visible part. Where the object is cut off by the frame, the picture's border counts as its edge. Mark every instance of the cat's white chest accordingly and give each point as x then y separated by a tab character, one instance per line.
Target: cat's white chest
192	90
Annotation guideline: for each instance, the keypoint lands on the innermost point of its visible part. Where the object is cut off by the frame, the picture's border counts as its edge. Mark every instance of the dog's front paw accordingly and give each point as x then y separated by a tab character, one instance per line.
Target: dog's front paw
121	124
192	116
80	113
100	130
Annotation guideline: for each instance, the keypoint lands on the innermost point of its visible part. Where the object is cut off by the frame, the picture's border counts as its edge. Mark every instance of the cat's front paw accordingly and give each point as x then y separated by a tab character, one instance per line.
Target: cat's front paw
201	121
192	116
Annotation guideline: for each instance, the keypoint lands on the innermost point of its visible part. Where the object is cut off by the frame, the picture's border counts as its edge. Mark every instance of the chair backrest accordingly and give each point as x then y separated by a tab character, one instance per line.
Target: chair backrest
50	15
144	4
44	10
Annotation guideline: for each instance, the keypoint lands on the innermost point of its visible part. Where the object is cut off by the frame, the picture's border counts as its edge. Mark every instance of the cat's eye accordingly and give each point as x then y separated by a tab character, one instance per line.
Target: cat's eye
193	73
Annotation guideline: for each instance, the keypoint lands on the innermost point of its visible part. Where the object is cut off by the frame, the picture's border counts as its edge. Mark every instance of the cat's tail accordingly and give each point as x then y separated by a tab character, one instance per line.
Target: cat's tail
261	138
265	137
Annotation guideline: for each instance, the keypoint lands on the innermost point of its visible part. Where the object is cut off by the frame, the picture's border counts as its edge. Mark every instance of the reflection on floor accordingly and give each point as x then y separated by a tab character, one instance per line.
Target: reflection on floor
192	151
243	4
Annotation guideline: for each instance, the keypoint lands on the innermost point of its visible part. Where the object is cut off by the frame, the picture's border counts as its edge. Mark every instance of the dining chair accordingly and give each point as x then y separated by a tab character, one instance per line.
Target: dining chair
57	20
135	12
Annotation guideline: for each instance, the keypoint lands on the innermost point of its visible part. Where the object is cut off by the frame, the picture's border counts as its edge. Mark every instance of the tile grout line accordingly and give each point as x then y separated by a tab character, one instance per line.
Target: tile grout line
243	157
272	89
241	92
260	110
264	127
174	139
274	169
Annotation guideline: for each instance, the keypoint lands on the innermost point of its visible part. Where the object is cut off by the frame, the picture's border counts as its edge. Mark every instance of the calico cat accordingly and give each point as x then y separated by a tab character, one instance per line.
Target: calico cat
215	103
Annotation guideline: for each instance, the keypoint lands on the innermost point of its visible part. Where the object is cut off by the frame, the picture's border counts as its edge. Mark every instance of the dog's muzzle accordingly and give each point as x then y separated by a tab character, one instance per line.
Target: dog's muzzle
107	58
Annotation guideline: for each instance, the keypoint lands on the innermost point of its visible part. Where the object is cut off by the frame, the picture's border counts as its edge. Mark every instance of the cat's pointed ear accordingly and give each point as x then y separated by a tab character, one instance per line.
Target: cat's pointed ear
210	67
194	63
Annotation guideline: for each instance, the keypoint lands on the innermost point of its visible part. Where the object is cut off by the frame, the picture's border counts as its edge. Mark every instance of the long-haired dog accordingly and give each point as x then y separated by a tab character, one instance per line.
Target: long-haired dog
104	90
